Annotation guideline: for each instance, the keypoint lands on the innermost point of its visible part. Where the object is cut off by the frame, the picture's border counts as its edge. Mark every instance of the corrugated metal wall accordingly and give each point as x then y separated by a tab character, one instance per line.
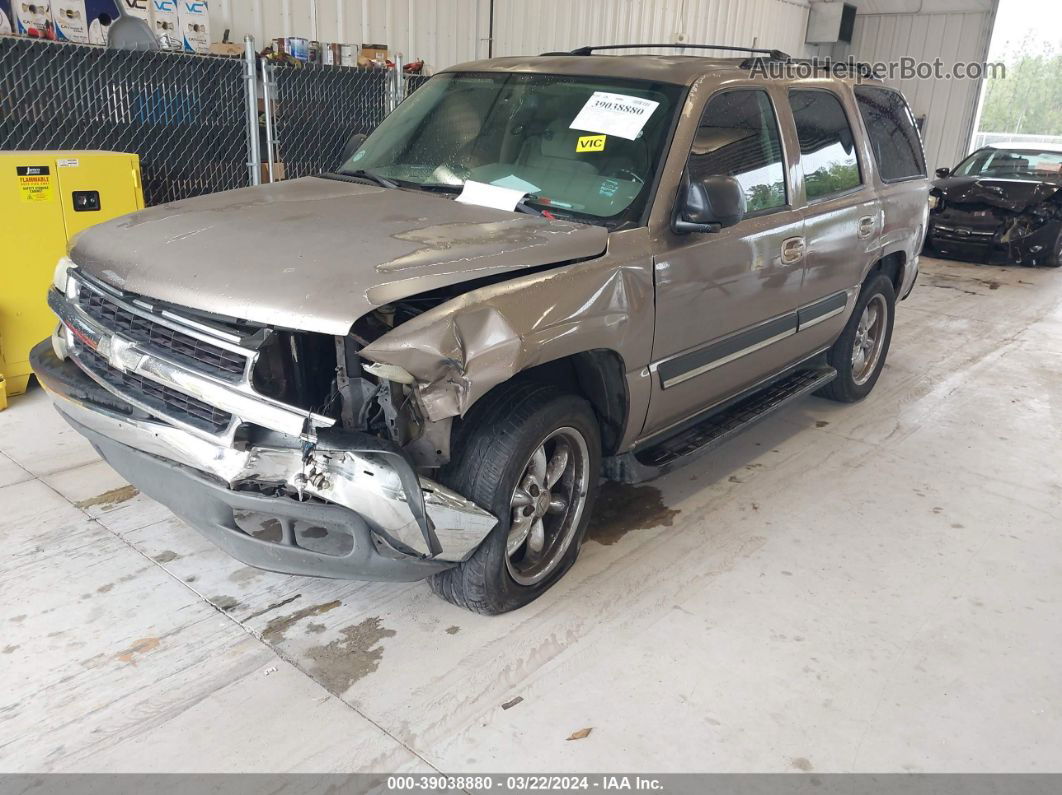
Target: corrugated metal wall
444	32
950	106
533	27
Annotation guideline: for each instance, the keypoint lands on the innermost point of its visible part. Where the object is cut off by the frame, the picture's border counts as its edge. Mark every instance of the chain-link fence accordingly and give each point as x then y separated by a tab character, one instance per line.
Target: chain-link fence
183	114
318	108
413	82
187	116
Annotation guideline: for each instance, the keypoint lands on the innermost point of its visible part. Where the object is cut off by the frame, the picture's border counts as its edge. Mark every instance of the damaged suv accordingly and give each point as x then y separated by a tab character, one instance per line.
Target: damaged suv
537	272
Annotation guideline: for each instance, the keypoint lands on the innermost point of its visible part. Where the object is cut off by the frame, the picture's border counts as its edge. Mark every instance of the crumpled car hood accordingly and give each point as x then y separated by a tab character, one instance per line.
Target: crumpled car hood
1009	194
316	254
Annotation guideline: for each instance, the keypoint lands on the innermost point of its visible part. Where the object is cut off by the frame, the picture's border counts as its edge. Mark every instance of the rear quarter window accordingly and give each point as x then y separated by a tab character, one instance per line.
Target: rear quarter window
892	132
827	145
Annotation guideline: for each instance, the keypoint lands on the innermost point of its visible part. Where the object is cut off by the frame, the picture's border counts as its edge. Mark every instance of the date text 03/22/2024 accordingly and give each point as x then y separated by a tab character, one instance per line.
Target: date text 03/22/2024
519	783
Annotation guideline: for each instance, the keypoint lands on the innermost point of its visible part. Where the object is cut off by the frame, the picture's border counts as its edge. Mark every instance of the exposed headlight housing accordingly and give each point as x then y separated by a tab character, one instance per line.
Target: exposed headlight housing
61	277
59	344
389	372
934	201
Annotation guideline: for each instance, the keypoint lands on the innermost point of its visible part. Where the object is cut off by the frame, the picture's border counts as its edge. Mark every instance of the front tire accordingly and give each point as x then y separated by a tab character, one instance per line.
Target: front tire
859	353
531	455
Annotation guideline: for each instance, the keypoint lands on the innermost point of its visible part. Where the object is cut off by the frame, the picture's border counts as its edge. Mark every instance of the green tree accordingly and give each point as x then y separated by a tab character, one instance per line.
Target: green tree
835	178
1028	99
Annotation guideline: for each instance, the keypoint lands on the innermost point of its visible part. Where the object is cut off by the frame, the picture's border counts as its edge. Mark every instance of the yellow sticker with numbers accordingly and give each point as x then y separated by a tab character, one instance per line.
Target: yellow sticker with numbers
590	143
35	183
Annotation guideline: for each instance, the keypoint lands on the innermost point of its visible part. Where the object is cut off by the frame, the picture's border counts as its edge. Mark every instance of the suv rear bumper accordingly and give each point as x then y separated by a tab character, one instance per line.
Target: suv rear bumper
359	496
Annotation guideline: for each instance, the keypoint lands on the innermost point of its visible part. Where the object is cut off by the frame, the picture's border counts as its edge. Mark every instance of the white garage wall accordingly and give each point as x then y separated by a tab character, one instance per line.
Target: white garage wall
445	32
532	27
442	32
953	30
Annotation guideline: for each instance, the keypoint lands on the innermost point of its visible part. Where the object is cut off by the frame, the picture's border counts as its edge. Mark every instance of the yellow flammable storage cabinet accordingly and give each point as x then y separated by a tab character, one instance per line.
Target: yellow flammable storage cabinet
45	199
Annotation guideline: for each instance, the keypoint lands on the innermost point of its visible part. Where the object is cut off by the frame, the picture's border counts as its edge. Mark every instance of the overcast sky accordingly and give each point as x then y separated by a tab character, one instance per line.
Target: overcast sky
1016	18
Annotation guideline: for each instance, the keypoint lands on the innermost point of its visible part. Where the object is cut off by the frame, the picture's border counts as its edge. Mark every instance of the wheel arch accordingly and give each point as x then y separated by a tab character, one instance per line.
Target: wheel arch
893	265
599	376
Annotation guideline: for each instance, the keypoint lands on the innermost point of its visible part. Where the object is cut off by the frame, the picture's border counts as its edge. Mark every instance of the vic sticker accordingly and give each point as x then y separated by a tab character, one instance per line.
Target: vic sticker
590	143
614	114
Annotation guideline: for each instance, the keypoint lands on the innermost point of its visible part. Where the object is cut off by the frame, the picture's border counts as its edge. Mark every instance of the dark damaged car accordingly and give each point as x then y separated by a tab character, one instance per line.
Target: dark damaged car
1001	205
537	272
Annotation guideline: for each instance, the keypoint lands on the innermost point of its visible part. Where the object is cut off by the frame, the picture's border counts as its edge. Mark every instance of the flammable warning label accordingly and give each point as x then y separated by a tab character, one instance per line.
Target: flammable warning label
34	183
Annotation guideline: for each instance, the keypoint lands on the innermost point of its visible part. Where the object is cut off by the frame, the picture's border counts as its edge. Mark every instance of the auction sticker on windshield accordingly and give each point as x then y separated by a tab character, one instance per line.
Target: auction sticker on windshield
614	114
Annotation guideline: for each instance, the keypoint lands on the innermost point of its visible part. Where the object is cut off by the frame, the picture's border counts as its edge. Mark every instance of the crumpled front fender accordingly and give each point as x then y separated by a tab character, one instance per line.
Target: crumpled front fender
460	350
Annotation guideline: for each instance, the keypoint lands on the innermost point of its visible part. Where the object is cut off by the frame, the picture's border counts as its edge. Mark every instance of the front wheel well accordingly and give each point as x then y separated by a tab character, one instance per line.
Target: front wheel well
596	375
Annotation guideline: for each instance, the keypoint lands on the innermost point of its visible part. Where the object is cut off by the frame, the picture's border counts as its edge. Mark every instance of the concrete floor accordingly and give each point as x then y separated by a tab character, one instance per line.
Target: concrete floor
873	587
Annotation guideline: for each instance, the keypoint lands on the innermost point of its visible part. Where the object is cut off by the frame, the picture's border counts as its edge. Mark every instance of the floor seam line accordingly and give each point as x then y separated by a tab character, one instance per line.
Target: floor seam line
277	652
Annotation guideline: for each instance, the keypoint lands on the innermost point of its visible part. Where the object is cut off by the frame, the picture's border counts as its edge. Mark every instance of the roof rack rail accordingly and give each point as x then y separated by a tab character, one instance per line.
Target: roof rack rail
774	55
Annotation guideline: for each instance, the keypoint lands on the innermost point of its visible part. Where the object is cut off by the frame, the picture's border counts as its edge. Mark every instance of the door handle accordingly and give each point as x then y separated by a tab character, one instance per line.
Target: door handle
866	226
792	250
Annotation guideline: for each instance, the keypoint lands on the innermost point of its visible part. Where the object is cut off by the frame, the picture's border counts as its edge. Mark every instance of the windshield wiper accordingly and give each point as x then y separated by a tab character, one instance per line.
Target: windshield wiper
434	187
523	206
383	182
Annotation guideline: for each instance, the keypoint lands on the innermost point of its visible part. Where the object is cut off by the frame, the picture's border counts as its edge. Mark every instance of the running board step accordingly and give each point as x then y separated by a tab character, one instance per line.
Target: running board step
697	439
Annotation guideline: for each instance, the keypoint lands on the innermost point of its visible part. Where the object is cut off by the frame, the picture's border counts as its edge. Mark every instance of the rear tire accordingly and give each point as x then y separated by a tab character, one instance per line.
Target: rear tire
531	455
859	353
1055	260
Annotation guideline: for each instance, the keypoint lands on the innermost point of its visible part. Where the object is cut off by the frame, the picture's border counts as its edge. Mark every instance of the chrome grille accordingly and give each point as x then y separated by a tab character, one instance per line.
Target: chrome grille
161	339
167	402
170	364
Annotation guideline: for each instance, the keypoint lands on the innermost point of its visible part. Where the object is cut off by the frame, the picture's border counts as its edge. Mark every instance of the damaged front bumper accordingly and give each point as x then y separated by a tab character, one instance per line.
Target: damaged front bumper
364	512
993	237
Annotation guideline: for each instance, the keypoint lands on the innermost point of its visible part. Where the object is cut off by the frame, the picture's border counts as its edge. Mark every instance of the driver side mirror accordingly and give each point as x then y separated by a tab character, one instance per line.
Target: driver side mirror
943	172
708	205
352	146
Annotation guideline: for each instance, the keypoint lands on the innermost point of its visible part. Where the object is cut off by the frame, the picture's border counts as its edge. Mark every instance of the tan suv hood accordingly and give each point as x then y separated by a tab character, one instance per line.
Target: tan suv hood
316	254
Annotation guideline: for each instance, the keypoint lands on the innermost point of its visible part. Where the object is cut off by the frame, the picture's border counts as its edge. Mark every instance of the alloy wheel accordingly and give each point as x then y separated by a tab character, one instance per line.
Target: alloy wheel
869	339
547	505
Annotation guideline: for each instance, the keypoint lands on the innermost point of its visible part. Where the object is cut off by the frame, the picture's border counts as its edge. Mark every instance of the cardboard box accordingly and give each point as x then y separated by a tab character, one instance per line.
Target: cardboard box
194	19
33	19
7	25
278	172
225	48
166	24
371	54
140	9
70	18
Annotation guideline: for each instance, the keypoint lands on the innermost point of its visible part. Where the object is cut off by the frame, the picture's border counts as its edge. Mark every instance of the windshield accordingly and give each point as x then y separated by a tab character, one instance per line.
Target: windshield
578	147
1027	164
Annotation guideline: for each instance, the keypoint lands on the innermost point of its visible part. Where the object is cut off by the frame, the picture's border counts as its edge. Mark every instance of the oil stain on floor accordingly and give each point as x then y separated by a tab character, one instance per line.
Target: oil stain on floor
276	627
108	499
622	507
351	656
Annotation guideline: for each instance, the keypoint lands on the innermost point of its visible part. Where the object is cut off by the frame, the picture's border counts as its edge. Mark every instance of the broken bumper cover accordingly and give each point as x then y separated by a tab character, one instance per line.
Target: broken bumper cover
990	244
392	525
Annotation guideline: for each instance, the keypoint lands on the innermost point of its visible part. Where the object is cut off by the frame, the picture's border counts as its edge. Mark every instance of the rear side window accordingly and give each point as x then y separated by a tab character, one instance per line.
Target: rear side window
738	137
827	146
893	137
